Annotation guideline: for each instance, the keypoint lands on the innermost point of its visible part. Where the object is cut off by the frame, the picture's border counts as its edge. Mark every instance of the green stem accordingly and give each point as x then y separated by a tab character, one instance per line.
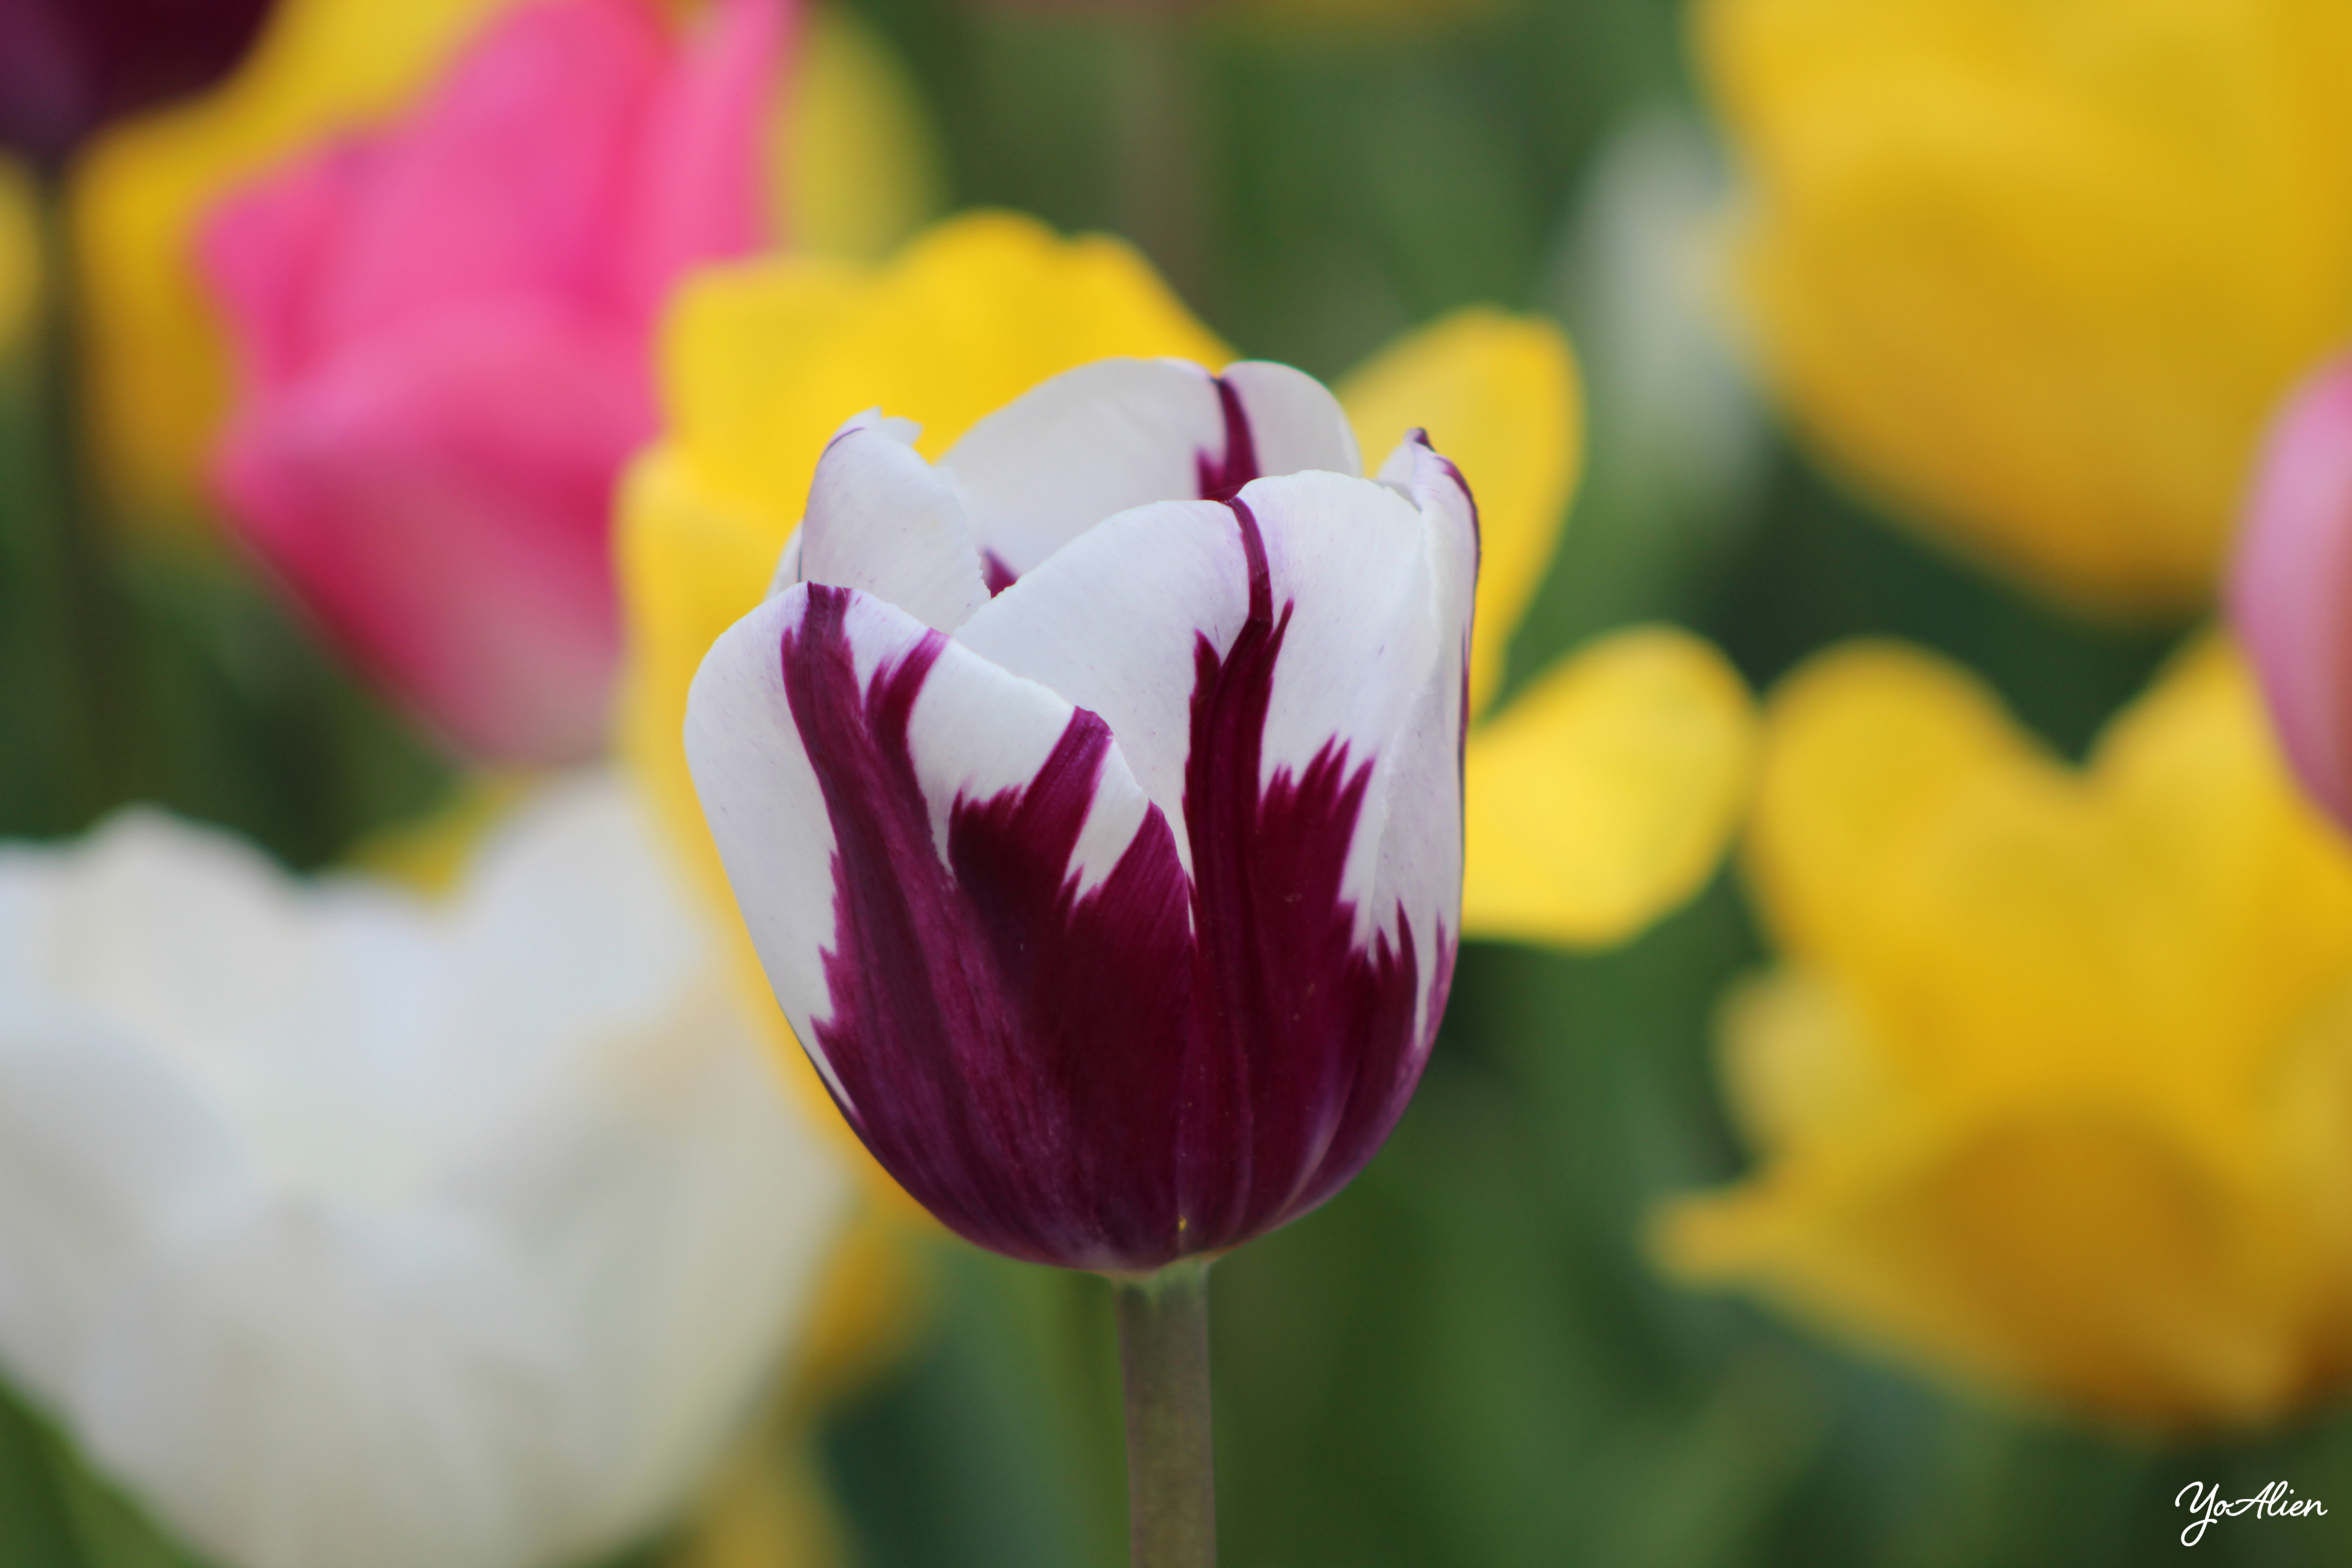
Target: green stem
68	540
1163	1357
1157	144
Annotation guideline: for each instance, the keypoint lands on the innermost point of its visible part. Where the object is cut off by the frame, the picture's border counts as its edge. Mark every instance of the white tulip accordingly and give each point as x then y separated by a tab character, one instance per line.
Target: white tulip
351	1229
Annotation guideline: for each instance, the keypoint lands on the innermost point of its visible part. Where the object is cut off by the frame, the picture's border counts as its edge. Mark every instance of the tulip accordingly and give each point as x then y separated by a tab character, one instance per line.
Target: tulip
1600	791
850	171
66	66
2035	275
1197	767
2049	1090
1104	848
339	1226
2290	591
443	334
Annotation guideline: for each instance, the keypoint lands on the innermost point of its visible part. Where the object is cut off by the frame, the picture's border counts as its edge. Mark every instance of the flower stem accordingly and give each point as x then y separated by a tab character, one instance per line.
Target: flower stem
1163	1357
63	545
1157	144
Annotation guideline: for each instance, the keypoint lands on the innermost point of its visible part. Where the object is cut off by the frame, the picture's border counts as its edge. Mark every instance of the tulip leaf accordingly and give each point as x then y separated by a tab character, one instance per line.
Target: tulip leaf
55	1513
35	1531
112	1531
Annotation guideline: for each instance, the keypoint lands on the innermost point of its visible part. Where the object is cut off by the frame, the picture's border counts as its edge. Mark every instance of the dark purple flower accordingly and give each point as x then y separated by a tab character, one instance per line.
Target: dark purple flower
68	66
1105	847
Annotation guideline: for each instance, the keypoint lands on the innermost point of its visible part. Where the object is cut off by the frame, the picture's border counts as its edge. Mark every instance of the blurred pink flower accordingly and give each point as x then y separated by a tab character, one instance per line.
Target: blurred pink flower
2291	589
443	331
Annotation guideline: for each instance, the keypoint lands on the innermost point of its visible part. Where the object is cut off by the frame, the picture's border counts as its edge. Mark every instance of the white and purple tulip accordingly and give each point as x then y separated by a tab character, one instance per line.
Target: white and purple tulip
1094	799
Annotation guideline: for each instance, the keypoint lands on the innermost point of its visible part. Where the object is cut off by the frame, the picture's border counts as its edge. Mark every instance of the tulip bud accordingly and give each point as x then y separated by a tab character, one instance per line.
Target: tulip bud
443	333
68	66
1093	797
2291	588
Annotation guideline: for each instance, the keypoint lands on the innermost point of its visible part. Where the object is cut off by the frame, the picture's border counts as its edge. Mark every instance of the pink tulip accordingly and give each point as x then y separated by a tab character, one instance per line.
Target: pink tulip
2291	593
444	329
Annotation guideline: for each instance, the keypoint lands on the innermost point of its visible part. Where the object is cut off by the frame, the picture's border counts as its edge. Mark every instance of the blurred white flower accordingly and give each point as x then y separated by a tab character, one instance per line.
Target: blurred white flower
351	1229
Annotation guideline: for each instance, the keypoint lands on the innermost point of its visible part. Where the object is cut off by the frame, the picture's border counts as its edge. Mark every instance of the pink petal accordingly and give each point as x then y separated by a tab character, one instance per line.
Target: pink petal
2291	590
263	251
511	179
440	506
696	189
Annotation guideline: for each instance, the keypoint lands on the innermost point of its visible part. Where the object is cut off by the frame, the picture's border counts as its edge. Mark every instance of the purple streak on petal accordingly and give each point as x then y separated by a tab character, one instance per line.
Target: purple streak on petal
995	573
1304	1047
1007	1045
1221	479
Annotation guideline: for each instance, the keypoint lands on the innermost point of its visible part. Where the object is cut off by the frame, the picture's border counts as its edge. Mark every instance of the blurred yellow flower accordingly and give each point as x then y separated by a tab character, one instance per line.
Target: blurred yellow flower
1598	798
2054	1089
158	369
2037	272
20	256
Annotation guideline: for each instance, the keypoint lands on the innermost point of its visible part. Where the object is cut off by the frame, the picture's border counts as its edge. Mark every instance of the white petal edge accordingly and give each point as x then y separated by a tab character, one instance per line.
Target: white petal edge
884	521
1078	447
1296	423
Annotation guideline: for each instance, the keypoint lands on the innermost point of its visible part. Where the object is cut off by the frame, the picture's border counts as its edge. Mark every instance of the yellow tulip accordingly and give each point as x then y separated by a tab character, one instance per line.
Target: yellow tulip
2036	272
856	176
1598	798
2053	1091
20	256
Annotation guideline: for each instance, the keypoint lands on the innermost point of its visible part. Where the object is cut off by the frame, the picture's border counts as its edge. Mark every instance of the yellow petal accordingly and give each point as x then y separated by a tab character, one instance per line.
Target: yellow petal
2038	273
2068	1255
155	360
1796	1067
2046	1093
762	363
1604	794
1863	745
855	161
1498	394
2162	915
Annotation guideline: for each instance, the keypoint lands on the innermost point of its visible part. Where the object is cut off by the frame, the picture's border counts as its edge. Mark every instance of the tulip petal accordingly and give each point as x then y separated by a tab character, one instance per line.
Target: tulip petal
966	319
507	176
951	874
694	182
1499	396
1111	623
1124	432
1604	795
345	1228
1295	422
442	512
262	249
2291	591
76	1211
882	521
1284	676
